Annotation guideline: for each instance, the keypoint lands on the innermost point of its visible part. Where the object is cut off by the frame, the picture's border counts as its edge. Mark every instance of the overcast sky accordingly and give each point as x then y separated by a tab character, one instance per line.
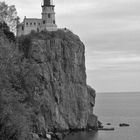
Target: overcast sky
110	30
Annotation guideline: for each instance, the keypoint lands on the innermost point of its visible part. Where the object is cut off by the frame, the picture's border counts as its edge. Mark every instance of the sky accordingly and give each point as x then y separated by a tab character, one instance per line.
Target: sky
110	30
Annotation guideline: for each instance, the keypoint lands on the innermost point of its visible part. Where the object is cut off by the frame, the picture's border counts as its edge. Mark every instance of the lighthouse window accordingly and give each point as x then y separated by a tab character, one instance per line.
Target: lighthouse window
44	21
49	15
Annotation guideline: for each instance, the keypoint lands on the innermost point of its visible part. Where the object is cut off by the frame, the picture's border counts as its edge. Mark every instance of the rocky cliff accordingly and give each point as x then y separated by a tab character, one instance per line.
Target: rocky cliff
50	80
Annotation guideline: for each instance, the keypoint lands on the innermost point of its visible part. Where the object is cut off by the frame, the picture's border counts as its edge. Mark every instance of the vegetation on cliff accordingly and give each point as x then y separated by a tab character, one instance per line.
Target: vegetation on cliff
43	85
5	30
8	14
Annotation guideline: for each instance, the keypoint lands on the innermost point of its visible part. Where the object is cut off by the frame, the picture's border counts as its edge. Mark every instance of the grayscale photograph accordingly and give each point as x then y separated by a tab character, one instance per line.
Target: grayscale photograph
69	69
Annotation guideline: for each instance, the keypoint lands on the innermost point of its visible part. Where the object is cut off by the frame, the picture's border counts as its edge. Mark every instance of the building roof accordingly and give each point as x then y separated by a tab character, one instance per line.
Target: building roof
32	19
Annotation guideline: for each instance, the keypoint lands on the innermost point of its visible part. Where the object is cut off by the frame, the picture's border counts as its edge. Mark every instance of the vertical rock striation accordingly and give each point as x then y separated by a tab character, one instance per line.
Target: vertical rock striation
59	81
43	86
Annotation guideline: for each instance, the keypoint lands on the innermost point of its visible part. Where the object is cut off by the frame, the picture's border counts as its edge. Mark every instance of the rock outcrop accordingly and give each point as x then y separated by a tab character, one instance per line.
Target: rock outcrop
51	82
59	61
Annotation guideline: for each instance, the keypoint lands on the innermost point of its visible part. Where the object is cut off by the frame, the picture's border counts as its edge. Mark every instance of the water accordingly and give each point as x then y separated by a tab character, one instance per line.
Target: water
115	108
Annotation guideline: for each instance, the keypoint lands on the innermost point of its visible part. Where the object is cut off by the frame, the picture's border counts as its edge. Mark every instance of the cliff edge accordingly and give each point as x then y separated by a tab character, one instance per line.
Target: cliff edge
49	80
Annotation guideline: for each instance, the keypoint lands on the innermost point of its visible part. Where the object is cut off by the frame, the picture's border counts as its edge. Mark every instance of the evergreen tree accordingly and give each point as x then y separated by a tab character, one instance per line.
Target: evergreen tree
6	30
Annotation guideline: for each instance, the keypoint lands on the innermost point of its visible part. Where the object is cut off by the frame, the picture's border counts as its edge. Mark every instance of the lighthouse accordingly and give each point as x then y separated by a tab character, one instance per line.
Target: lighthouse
46	23
48	16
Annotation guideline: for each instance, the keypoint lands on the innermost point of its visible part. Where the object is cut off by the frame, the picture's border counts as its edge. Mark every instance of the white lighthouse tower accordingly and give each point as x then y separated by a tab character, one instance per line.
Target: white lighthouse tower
48	16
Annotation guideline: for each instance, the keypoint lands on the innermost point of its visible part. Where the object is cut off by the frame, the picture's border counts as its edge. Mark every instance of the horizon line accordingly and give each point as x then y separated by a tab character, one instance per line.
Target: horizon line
119	92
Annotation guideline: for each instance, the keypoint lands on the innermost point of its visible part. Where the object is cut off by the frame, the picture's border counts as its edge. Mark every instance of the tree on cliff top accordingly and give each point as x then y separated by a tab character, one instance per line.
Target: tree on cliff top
6	30
8	14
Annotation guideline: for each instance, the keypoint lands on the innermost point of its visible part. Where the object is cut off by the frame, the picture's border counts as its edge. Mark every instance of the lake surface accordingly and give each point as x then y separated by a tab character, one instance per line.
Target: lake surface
115	108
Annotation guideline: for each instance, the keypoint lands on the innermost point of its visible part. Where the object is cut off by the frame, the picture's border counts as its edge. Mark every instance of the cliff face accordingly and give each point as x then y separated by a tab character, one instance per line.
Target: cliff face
59	62
47	79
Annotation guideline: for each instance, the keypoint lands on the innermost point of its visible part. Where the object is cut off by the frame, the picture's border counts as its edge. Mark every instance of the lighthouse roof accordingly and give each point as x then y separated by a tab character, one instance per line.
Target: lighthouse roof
47	3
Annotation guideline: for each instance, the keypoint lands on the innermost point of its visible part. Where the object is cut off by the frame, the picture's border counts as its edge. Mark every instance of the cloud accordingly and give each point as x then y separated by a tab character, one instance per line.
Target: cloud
73	8
113	60
118	8
110	30
114	80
